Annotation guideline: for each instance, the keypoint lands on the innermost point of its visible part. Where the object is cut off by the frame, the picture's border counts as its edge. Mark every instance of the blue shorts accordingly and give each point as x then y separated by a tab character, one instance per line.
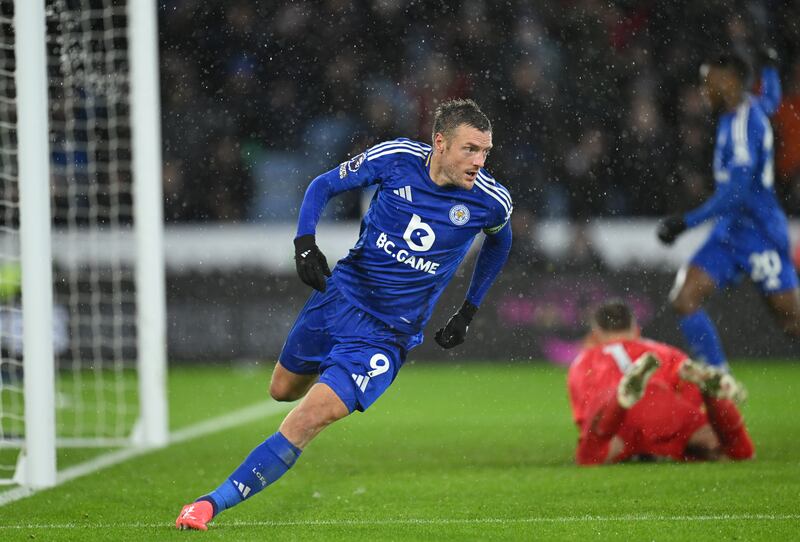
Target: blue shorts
354	353
770	267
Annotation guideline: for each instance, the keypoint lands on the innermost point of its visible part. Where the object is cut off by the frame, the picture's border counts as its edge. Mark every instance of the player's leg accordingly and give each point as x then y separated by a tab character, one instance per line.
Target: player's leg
772	271
785	307
727	422
271	459
286	385
720	393
320	408
308	344
357	369
599	442
355	374
693	286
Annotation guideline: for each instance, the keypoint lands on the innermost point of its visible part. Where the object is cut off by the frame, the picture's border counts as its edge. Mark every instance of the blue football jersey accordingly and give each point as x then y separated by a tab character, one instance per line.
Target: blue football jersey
414	234
743	169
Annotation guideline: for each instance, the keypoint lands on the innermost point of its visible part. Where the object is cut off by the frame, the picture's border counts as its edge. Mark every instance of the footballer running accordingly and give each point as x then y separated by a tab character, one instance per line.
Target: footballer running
355	331
750	233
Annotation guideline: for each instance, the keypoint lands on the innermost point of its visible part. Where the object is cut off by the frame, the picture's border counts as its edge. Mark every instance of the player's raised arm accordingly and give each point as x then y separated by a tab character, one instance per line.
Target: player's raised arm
492	257
770	97
312	266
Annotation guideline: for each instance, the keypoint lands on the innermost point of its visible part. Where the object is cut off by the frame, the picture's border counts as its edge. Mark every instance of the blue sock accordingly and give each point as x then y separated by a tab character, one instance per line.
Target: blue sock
266	463
702	337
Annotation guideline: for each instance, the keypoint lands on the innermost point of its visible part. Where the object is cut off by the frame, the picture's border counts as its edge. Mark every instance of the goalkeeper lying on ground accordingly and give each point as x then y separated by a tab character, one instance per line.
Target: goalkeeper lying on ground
632	397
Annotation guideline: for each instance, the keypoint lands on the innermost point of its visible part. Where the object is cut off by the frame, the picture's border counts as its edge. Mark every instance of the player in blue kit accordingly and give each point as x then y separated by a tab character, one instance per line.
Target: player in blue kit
355	331
750	235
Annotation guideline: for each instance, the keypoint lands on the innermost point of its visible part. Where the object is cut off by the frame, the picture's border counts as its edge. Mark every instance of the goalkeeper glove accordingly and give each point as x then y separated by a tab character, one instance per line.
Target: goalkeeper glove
670	228
312	267
455	330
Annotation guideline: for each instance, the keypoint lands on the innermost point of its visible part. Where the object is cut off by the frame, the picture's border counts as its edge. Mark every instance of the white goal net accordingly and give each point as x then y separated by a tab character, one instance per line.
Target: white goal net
91	178
11	395
95	251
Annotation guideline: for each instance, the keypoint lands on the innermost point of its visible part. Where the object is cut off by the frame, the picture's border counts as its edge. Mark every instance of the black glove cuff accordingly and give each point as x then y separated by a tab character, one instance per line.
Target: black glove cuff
468	311
304	242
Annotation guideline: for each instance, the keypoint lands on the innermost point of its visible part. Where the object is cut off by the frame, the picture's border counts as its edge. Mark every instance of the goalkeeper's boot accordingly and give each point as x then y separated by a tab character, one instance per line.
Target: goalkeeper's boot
634	381
712	381
195	516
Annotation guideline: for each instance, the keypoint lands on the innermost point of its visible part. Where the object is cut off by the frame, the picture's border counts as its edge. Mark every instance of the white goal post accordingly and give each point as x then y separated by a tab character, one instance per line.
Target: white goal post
88	171
34	244
149	222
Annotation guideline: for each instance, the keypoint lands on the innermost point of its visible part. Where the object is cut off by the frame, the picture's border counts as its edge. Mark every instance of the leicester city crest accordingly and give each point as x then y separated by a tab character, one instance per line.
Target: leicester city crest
459	214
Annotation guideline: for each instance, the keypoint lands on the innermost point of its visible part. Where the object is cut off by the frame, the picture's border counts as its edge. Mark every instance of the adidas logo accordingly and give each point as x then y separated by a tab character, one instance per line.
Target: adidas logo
404	192
243	489
361	381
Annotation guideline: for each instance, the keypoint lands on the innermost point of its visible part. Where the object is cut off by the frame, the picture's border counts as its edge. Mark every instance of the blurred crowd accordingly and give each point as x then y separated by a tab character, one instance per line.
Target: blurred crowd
596	106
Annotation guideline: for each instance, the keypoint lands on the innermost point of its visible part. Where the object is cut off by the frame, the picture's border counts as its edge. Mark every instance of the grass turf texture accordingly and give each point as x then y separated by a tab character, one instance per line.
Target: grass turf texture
451	452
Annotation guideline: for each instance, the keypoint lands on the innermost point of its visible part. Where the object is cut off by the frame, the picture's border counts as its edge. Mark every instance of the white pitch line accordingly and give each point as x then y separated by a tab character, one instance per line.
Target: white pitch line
201	429
633	518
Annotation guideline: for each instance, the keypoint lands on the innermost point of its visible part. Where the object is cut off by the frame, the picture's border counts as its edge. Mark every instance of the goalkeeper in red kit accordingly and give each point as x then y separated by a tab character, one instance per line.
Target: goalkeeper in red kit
636	398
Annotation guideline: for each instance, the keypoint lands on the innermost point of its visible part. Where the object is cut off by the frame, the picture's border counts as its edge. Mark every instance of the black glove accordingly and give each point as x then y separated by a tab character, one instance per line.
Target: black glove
312	267
767	56
670	228
455	330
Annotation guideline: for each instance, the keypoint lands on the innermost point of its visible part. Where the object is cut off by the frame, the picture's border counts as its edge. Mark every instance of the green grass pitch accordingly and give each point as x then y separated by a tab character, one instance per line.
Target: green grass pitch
471	451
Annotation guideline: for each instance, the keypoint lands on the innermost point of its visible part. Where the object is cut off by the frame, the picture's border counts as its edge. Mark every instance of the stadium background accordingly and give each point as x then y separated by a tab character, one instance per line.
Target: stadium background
595	105
599	128
319	81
